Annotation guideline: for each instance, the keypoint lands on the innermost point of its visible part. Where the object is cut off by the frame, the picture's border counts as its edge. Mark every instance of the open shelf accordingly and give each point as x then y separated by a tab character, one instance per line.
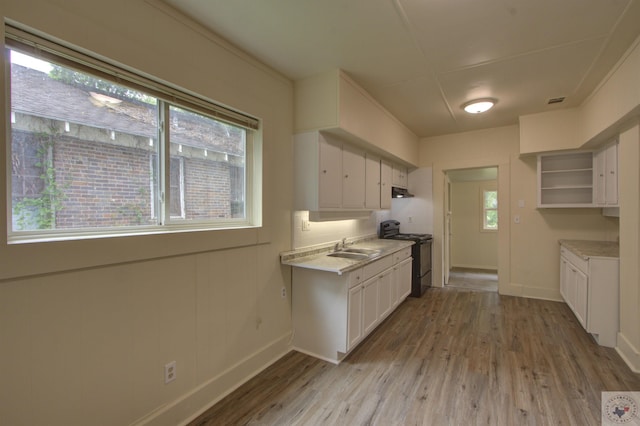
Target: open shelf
565	180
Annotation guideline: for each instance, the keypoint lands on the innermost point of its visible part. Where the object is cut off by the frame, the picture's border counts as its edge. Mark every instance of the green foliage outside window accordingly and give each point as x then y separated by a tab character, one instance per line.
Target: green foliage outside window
490	210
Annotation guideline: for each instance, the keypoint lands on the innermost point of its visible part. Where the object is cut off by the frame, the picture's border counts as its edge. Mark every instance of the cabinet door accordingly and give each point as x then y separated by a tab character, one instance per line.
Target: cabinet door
330	179
385	291
354	316
399	176
353	184
605	191
372	176
386	176
370	305
599	176
581	294
563	277
404	282
611	171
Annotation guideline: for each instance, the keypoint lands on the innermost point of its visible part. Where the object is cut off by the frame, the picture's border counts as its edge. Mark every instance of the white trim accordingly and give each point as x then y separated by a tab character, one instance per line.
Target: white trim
628	352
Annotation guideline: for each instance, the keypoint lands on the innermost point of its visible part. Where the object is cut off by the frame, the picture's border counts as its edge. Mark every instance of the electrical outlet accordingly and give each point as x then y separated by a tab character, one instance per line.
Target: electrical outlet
169	372
283	292
306	226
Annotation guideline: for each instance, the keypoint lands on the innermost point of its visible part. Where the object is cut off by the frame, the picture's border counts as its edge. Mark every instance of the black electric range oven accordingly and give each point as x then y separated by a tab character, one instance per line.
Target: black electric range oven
420	252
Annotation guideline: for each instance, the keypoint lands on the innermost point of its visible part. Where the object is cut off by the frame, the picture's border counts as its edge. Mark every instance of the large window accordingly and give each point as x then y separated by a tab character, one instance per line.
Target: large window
90	154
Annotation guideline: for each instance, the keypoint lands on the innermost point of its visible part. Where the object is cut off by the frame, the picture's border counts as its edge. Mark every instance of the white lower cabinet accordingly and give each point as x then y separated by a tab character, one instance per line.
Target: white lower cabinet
354	320
590	288
333	313
402	274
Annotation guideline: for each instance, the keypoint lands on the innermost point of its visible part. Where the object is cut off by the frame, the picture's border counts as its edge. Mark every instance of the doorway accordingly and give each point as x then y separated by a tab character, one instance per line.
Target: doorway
471	228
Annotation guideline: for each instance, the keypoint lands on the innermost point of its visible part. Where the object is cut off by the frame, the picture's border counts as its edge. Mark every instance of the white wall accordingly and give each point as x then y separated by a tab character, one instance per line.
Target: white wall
528	252
330	232
416	214
86	327
471	246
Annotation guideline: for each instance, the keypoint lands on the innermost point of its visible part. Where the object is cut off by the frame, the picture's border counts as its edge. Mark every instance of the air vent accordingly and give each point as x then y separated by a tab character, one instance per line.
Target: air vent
555	100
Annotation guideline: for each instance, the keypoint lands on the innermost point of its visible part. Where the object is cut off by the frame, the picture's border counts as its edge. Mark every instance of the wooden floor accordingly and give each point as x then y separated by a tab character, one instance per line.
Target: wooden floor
473	279
452	357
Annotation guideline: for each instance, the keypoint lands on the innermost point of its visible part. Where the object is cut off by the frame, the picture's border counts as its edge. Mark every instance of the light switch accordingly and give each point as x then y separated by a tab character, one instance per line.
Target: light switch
521	203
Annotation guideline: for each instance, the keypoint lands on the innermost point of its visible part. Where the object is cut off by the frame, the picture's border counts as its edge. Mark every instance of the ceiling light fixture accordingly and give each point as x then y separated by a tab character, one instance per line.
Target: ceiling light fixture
478	106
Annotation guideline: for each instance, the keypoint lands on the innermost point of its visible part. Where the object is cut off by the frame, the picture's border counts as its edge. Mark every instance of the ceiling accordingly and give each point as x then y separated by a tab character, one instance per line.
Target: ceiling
422	59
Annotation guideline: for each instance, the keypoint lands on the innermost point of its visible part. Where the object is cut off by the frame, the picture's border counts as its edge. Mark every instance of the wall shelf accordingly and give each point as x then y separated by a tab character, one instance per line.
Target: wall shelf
565	180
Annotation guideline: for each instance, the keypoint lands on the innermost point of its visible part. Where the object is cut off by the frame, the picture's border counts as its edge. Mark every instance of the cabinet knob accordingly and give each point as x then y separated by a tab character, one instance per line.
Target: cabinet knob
324	171
346	176
612	172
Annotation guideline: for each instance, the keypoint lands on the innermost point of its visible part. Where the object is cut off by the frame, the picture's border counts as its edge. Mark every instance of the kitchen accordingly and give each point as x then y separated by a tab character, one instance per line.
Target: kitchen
84	326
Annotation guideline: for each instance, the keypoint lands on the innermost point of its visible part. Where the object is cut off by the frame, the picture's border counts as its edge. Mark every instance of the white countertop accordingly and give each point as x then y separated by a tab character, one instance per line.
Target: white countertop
318	259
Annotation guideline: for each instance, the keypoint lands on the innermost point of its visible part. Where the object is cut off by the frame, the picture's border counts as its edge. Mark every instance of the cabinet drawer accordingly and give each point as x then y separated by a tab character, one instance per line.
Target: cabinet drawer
356	277
401	255
378	266
575	260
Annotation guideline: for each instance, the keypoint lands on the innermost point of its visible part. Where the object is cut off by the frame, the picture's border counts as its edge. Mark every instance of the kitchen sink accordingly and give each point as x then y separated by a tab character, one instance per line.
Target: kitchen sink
349	255
355	253
368	252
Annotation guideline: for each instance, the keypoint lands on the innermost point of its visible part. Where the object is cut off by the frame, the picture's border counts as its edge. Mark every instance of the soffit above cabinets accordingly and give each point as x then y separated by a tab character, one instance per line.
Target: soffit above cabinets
423	59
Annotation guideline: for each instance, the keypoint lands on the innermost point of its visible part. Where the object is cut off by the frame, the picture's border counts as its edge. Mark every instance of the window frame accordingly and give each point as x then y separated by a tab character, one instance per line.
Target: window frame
484	210
167	95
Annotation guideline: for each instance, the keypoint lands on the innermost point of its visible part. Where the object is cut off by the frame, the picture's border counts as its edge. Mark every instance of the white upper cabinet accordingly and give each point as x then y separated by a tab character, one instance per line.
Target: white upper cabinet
386	172
579	179
353	175
565	180
329	175
400	176
606	176
373	182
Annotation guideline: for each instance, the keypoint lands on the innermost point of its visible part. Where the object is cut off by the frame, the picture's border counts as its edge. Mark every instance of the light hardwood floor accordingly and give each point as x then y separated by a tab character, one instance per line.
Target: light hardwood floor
452	357
473	279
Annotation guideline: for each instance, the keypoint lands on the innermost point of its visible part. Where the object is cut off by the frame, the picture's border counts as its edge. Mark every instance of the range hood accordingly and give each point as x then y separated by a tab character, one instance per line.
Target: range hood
397	192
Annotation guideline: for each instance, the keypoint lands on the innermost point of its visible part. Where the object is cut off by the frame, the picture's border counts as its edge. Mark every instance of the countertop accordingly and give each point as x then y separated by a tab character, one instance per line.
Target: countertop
589	248
318	259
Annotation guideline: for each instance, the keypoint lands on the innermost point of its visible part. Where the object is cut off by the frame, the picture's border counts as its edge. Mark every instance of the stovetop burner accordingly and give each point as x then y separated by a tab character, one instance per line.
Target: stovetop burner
390	229
409	236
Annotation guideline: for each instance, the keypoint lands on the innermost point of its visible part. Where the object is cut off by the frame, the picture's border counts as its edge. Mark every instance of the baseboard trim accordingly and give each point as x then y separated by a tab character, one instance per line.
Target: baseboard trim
191	405
629	353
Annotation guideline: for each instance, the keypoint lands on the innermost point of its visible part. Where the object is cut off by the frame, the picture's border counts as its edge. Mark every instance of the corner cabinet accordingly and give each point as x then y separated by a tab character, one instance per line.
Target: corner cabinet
333	313
565	180
589	286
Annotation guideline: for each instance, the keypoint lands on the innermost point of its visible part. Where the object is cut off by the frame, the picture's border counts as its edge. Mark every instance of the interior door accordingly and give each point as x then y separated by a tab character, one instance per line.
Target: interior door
446	249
